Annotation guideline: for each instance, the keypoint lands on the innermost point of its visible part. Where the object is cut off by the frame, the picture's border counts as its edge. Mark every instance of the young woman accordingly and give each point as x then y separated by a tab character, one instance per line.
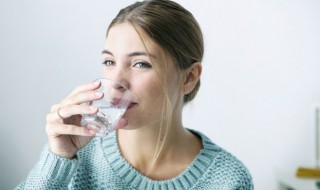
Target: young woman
155	49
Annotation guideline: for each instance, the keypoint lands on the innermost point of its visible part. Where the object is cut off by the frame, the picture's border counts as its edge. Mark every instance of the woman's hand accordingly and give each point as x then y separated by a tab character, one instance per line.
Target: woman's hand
65	135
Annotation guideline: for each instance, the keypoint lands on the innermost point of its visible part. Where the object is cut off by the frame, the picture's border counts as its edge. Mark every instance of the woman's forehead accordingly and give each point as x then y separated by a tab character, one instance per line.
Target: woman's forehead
124	38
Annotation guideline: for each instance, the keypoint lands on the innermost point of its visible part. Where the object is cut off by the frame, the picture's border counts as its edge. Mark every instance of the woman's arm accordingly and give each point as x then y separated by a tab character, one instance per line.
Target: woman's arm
51	172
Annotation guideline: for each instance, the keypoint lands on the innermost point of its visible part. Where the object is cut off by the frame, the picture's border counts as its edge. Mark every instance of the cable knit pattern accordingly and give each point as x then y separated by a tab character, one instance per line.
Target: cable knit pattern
100	165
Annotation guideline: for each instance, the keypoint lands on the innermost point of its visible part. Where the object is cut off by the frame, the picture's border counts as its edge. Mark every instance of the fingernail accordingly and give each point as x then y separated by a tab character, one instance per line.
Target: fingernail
92	132
98	94
96	83
92	108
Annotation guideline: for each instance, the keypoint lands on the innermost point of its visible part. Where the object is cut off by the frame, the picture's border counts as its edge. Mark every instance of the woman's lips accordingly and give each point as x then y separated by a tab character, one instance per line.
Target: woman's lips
132	104
122	103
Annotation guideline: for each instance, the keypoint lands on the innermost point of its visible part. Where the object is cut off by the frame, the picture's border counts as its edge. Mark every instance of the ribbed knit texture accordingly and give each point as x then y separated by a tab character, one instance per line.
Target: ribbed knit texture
100	166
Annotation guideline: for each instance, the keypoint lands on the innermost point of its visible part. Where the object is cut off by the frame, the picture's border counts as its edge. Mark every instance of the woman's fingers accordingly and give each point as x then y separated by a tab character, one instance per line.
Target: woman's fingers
63	129
65	134
83	88
79	95
68	111
76	100
81	98
56	126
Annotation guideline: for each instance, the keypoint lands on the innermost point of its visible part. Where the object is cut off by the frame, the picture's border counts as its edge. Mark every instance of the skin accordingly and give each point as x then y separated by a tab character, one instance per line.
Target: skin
132	61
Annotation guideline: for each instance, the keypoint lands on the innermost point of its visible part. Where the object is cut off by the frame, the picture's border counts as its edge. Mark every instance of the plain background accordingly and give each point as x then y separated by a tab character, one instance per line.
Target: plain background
260	83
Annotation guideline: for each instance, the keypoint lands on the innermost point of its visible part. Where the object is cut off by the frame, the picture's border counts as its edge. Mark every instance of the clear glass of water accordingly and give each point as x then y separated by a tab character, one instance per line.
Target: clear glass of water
116	99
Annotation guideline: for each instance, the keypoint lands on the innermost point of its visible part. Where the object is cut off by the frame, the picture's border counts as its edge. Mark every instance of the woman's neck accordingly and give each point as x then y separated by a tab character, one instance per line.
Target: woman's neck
139	147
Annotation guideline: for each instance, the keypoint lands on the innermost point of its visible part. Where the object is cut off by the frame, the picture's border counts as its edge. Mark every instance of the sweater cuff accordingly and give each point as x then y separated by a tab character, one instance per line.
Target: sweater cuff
56	168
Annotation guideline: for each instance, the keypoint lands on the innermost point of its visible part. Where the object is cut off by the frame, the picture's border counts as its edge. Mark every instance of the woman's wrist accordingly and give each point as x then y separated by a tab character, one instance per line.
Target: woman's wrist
65	155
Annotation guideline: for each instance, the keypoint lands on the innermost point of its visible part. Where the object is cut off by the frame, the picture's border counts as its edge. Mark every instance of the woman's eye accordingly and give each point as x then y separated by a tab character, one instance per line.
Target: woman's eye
108	63
142	65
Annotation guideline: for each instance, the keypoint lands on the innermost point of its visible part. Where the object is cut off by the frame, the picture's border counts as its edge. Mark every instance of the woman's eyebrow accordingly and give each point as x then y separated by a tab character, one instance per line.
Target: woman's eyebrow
133	54
139	53
107	52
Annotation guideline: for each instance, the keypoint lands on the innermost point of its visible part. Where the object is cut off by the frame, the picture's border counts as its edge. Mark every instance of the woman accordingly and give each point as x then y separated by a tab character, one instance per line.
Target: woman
155	49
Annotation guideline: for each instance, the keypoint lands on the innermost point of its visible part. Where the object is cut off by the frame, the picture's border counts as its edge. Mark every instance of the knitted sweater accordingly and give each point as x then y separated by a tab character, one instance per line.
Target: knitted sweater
100	165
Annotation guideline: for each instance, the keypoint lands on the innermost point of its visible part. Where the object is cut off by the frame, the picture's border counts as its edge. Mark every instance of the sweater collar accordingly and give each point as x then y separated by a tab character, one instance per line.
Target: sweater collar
189	177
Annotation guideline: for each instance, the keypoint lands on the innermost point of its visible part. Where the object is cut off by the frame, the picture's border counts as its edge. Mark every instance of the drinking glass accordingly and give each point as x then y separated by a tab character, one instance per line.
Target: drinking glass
115	101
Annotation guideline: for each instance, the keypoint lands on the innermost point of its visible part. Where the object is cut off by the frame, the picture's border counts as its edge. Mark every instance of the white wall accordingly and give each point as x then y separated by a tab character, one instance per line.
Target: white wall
260	83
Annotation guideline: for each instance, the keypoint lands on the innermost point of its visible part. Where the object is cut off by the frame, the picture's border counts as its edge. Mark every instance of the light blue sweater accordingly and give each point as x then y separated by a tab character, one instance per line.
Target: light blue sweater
100	166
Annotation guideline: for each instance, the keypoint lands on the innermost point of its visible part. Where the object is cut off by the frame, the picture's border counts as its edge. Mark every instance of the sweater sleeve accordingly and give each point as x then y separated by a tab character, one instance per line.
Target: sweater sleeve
51	172
246	181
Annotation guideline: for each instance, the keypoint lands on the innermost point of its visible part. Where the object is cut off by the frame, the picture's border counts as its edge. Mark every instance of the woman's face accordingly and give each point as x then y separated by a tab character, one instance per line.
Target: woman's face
132	62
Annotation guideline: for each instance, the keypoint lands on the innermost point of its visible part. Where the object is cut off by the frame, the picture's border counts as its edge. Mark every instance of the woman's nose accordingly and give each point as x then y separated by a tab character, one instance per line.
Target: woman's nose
118	85
120	77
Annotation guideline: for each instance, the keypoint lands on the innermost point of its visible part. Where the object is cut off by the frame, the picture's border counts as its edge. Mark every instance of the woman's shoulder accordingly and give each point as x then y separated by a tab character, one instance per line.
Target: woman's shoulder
220	158
222	166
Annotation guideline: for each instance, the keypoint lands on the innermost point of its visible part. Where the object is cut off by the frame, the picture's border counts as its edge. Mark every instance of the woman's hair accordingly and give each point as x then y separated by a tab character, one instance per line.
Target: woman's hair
175	30
170	26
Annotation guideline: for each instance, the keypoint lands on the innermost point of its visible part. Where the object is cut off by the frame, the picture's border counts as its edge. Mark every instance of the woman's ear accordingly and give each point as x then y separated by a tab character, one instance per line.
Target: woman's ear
192	77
